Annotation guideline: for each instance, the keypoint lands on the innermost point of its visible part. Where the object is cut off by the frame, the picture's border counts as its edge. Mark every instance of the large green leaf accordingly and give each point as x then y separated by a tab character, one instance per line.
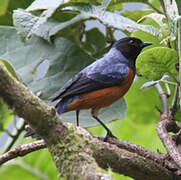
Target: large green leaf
52	27
50	7
46	67
110	19
154	63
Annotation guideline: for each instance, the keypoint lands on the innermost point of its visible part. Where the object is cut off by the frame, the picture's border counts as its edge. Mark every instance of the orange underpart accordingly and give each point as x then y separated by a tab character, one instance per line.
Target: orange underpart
103	97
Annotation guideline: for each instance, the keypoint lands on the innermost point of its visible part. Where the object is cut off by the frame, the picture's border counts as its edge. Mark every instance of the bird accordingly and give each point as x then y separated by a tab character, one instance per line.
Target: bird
101	83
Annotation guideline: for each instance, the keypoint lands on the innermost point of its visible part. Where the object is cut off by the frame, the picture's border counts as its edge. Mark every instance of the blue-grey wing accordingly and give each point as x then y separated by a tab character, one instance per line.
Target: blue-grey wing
87	81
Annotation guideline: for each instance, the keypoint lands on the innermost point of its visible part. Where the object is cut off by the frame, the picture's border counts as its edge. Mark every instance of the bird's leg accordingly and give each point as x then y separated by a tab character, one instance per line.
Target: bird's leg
77	117
94	113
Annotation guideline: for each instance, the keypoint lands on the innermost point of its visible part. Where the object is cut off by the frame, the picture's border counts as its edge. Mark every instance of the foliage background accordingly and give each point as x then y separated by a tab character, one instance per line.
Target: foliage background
37	63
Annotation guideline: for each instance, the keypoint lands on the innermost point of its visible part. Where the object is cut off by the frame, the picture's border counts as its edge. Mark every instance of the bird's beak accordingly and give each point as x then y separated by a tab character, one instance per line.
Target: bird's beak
144	44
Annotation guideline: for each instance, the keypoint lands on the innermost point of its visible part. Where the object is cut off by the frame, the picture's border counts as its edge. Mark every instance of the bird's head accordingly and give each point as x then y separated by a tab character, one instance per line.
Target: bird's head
130	47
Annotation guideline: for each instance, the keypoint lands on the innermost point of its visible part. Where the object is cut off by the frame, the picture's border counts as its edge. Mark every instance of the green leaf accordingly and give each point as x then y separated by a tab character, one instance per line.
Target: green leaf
95	40
61	61
24	21
154	63
6	19
146	37
49	6
46	29
9	68
158	18
3	7
136	15
110	19
5	116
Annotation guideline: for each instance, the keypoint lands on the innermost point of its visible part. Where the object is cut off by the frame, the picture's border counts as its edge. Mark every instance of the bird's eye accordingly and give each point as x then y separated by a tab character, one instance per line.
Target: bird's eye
131	42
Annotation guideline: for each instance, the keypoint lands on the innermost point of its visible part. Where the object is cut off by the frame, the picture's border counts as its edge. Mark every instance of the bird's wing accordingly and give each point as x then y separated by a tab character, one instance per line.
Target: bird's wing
84	82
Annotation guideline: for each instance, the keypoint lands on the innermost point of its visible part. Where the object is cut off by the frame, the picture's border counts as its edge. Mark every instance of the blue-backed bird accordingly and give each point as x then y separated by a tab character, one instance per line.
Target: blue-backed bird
101	83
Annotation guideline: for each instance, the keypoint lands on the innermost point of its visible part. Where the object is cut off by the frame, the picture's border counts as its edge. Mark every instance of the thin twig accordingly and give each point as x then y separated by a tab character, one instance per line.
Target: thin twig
22	150
173	108
163	97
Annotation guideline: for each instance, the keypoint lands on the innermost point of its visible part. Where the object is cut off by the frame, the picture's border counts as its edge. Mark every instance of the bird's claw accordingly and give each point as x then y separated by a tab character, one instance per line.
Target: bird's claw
109	134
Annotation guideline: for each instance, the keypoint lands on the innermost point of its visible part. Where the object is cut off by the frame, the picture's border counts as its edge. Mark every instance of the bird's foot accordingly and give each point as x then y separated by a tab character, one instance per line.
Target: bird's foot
109	134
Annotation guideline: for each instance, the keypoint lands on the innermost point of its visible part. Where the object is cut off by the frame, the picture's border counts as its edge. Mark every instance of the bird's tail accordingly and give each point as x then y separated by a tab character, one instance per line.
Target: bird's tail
62	104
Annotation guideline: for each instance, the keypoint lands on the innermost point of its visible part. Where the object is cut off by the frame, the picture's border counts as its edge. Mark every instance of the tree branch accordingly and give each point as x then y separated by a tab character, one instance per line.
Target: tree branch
76	153
22	150
167	125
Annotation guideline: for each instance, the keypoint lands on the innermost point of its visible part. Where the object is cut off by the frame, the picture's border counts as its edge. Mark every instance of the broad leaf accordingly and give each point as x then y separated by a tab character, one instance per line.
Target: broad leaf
51	8
110	19
158	18
52	27
154	63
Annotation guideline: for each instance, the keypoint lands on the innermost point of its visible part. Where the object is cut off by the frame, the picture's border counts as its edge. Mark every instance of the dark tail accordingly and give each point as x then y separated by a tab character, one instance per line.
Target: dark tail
62	104
32	134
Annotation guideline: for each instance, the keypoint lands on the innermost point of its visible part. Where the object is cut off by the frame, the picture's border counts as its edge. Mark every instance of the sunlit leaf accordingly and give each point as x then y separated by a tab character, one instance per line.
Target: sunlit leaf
154	63
146	37
158	18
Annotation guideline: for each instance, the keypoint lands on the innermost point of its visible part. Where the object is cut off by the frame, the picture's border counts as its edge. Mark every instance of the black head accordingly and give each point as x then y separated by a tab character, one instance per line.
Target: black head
130	47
